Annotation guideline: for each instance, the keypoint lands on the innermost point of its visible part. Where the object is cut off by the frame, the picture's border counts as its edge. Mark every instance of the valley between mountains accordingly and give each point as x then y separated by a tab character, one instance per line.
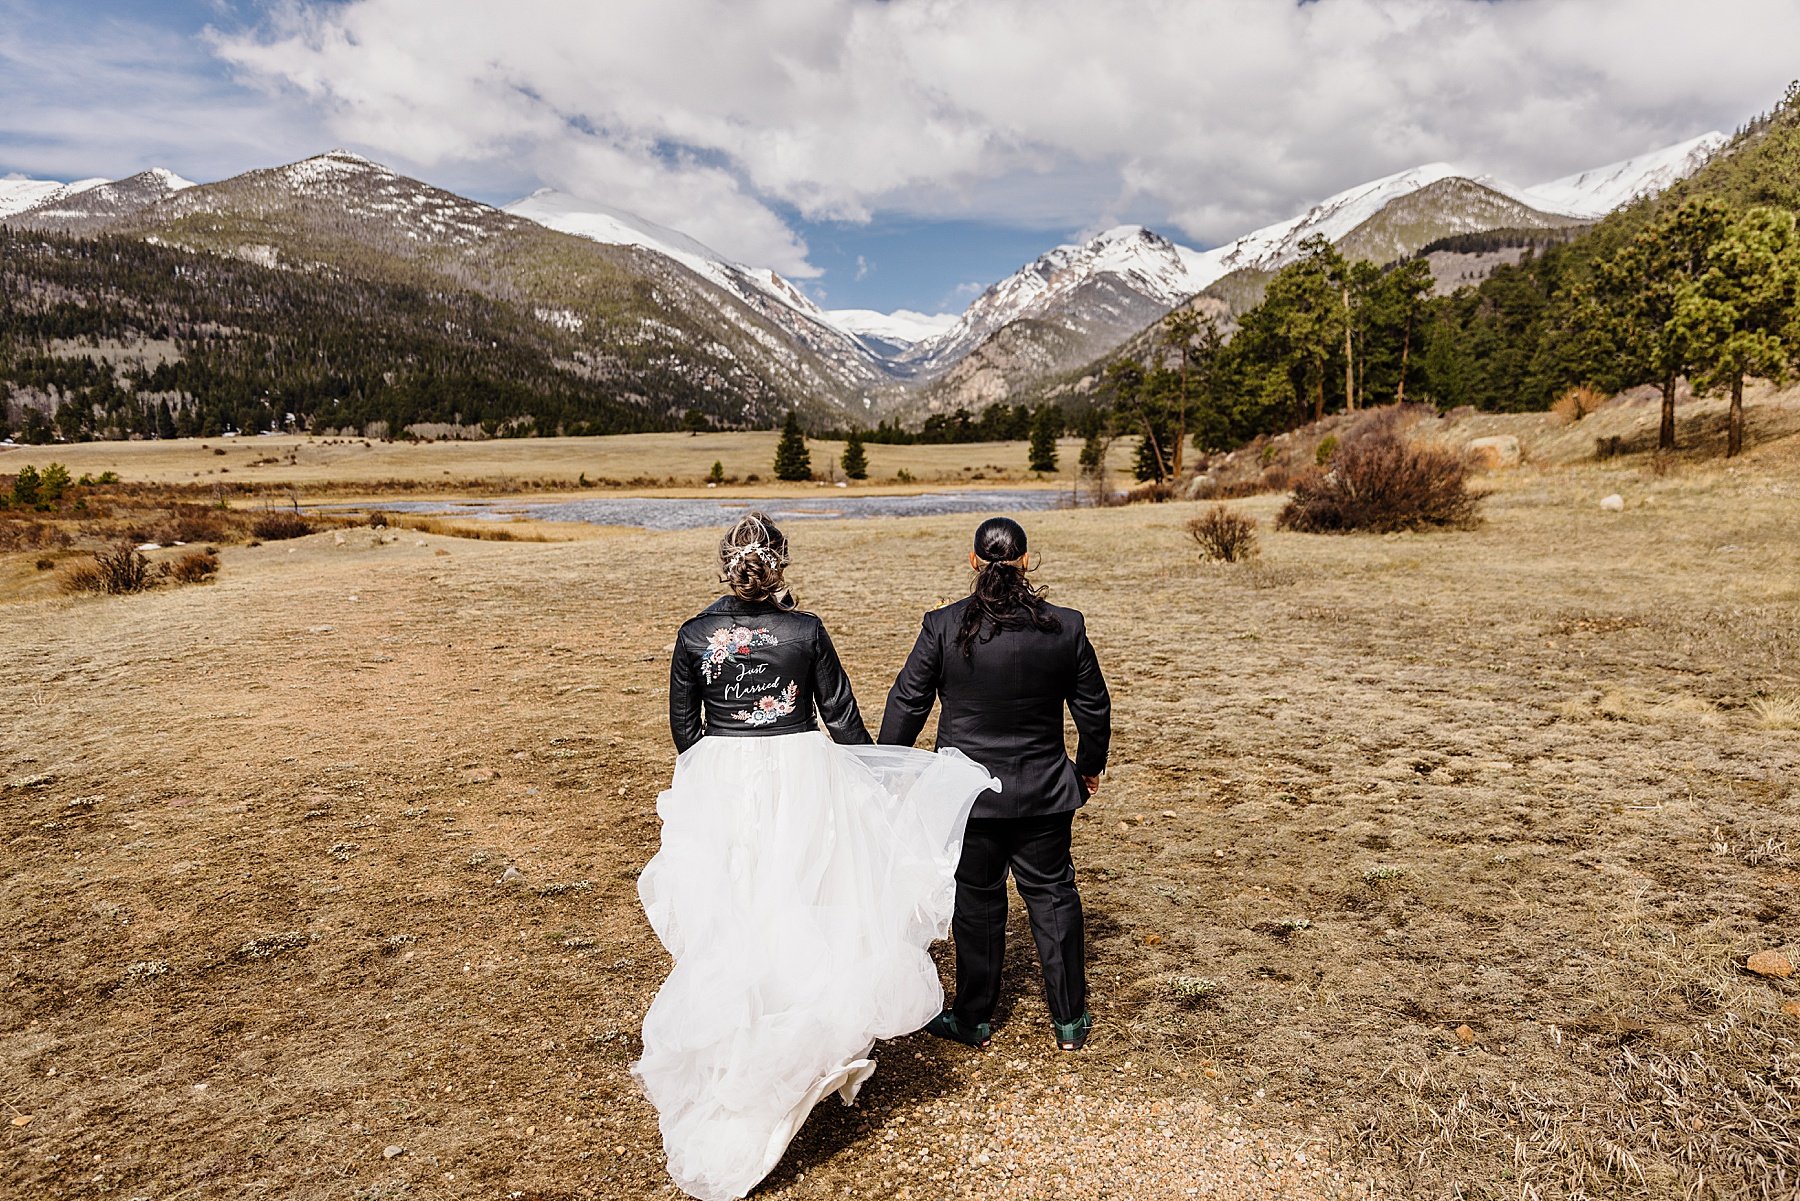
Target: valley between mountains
558	314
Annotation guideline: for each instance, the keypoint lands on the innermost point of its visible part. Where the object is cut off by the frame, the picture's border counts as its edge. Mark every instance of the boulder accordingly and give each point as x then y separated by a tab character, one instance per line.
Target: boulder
1613	504
1490	454
1770	963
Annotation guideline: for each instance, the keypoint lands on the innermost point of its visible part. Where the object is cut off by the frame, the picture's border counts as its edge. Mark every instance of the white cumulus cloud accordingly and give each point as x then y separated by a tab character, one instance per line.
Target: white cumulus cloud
1206	117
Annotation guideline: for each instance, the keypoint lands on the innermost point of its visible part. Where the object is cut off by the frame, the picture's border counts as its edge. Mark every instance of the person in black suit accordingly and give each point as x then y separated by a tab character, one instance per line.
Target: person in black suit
1004	663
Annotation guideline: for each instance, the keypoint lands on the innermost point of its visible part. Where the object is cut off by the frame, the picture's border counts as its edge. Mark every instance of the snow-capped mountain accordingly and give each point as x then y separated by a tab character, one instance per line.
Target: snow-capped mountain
88	206
17	195
765	291
1077	303
1159	272
664	334
899	329
1593	194
616	227
1118	279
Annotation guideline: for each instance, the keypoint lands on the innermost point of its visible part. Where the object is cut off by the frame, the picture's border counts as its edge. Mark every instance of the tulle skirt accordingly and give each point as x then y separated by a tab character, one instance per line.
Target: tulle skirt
799	886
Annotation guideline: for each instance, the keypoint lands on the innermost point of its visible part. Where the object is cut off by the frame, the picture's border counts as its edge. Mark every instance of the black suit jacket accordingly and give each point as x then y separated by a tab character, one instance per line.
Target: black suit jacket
1003	708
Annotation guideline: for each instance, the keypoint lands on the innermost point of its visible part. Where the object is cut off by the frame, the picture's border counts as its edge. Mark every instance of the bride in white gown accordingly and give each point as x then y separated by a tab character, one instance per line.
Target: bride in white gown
800	882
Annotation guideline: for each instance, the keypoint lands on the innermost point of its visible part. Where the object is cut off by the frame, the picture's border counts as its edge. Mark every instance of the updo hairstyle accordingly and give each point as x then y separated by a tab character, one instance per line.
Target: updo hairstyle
753	560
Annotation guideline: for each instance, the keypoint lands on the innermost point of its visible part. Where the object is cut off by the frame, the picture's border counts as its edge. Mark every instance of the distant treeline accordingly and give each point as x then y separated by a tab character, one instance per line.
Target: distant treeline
995	423
1488	241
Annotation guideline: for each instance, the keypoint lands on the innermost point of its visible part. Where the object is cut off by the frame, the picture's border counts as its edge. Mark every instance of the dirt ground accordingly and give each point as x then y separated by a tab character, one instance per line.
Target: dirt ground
1427	865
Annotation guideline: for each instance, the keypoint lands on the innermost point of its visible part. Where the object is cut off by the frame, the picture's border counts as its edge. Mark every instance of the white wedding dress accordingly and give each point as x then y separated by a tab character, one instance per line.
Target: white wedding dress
799	886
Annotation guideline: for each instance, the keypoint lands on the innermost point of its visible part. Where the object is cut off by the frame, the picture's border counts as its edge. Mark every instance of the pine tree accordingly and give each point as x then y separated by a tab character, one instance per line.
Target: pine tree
792	460
717	474
856	459
1046	427
1742	316
1634	299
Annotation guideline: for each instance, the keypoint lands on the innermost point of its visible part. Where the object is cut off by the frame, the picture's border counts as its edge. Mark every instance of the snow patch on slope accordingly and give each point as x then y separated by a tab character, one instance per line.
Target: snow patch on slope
1599	191
604	223
18	194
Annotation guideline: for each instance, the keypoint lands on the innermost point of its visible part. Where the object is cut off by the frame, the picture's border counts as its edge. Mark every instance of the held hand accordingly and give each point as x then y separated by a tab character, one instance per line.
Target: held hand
1090	784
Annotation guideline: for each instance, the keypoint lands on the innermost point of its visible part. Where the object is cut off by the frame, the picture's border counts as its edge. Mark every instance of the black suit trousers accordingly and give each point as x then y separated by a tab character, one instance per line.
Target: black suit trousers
1036	851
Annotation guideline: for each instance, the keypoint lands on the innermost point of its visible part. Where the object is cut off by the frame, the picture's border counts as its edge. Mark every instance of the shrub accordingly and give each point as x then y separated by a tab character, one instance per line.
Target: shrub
194	523
82	577
53	483
1223	536
117	571
277	524
1153	493
1327	447
45	564
1380	484
194	567
25	487
1576	403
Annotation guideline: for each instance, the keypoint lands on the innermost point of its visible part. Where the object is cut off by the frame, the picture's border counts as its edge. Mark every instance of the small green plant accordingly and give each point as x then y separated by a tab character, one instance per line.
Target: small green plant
145	969
25	487
717	474
1327	447
1378	875
53	483
1193	988
271	945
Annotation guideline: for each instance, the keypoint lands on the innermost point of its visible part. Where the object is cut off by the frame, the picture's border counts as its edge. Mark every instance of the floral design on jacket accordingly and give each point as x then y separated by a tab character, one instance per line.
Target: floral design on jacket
726	643
767	710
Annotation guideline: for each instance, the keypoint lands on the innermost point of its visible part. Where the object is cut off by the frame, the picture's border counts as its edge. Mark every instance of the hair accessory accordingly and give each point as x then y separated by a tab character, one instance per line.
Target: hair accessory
740	553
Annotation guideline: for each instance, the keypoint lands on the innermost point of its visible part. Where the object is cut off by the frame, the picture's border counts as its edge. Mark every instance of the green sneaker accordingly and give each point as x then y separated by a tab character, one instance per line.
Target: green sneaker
1072	1036
945	1025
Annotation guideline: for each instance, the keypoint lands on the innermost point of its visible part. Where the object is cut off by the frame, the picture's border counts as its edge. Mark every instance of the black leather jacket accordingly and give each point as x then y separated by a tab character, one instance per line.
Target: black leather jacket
749	668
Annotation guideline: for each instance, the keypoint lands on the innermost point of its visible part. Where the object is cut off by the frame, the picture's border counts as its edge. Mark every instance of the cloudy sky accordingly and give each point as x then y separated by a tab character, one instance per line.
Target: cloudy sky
886	154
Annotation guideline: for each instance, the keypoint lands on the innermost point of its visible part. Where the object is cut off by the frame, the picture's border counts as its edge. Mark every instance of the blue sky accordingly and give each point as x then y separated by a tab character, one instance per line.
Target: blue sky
885	155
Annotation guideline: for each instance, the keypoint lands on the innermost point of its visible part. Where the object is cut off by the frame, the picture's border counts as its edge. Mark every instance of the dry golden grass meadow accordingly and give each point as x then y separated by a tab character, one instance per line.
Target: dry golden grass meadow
1428	865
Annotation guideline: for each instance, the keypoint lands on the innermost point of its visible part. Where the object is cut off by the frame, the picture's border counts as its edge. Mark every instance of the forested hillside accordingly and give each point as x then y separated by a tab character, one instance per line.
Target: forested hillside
134	338
402	303
1702	282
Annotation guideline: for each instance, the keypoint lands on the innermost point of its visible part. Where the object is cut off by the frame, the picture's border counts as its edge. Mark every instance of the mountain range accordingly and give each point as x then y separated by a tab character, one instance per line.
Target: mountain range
671	324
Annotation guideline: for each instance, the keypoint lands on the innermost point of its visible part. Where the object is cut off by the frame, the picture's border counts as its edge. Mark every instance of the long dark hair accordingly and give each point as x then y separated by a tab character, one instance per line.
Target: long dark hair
1002	599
